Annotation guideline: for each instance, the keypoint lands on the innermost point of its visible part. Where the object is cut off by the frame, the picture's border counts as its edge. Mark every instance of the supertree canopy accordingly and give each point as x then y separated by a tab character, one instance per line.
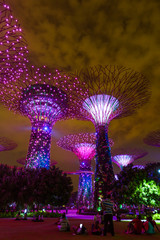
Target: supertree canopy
125	157
44	96
153	138
7	144
83	145
113	92
139	166
13	47
123	160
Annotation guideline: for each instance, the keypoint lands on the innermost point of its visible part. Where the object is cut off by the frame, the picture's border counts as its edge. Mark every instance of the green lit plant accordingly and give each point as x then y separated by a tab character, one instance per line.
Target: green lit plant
147	193
156	216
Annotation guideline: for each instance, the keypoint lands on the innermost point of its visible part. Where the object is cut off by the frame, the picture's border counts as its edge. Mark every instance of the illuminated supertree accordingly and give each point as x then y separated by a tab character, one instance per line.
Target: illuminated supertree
125	157
83	145
13	47
45	97
7	144
153	138
113	92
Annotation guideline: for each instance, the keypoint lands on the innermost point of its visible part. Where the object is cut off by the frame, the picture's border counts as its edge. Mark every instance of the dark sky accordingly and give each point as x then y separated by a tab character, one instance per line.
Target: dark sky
73	34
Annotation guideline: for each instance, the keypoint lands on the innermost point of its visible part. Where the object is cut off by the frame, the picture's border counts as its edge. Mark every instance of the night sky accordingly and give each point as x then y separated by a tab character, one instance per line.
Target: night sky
77	33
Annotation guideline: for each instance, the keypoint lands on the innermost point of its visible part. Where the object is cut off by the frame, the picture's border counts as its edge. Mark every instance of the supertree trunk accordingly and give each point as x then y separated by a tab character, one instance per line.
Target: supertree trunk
104	175
85	196
39	146
83	145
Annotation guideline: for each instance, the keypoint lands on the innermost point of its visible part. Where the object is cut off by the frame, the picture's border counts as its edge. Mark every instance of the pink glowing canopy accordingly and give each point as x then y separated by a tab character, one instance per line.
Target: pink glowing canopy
85	150
82	144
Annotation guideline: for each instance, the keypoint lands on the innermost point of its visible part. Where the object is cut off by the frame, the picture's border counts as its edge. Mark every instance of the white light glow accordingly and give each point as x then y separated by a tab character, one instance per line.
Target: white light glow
123	160
101	107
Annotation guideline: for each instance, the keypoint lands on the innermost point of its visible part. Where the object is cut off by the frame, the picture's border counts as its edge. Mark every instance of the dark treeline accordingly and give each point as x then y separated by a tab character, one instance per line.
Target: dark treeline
33	186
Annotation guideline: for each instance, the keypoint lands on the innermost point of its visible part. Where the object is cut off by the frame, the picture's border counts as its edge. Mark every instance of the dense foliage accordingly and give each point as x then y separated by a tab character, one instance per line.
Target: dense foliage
138	186
147	193
28	186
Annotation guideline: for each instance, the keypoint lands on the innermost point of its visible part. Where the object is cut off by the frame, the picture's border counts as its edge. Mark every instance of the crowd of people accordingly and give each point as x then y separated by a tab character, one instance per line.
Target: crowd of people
136	226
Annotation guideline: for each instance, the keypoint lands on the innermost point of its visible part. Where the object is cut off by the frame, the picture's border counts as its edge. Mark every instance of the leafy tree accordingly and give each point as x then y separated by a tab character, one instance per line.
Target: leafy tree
54	187
147	193
28	186
128	180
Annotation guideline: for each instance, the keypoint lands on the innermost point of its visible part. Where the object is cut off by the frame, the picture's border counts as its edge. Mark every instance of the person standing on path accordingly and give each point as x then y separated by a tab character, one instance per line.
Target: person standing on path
107	206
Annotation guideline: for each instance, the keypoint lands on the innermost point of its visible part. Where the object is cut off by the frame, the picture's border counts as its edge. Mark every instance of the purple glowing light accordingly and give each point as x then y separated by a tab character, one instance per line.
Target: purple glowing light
39	146
44	96
42	104
101	107
22	161
85	192
124	90
13	47
139	166
83	145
